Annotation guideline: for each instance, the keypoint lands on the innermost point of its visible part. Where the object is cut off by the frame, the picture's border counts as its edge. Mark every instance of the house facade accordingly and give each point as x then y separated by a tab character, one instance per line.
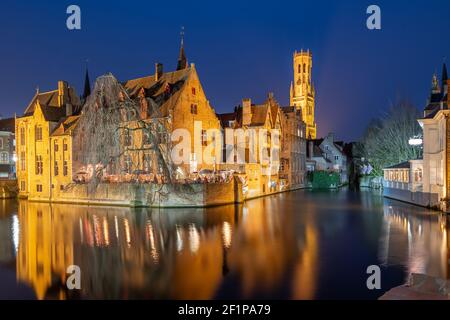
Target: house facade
257	162
34	129
327	154
293	150
436	142
7	149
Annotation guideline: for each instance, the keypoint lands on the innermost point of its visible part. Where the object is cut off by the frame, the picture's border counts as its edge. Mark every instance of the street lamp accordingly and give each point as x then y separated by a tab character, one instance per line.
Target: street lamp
415	142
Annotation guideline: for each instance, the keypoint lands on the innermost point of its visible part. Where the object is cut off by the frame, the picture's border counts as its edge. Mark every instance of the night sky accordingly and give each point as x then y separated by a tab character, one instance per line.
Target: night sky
240	49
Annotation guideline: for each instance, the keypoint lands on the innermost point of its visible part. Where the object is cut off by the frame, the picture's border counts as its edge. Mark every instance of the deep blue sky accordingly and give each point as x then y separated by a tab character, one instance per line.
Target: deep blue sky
240	48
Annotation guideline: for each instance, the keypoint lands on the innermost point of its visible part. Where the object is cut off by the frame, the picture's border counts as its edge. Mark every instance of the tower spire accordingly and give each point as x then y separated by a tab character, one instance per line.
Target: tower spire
182	61
87	83
444	73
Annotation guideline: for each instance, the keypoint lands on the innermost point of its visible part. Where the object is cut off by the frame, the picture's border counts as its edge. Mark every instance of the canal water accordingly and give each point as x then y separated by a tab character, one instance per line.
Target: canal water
296	245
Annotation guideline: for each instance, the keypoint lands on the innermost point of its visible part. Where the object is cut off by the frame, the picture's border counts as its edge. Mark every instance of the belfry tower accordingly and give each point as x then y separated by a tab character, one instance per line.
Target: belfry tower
302	93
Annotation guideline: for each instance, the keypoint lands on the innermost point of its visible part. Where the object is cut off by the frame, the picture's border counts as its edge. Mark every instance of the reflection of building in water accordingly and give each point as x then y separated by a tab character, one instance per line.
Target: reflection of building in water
45	247
306	268
123	252
8	230
416	238
261	250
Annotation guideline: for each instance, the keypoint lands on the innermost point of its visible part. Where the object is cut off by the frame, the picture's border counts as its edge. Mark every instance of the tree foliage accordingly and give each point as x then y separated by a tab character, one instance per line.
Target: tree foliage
386	140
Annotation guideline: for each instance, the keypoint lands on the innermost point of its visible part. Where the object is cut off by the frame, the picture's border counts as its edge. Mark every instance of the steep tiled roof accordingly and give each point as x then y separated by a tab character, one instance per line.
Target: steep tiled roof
66	125
7	125
163	92
259	115
50	99
225	119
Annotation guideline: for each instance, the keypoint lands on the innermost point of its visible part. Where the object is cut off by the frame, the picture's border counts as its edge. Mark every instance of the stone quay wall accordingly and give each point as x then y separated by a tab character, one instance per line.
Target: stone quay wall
149	195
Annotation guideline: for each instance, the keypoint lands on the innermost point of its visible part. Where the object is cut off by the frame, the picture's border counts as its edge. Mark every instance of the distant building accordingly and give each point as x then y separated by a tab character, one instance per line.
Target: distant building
7	149
328	155
302	91
404	182
293	150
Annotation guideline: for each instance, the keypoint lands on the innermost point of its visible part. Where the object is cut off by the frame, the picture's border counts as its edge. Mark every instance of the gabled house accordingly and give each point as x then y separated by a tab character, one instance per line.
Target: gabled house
34	149
328	155
261	174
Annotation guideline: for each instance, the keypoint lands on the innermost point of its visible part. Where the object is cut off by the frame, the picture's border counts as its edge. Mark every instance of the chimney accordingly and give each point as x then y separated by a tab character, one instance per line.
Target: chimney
331	136
62	93
246	111
69	109
158	71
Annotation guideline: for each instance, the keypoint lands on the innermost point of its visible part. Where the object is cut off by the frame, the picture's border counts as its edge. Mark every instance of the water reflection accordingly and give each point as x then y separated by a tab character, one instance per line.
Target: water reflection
421	234
298	245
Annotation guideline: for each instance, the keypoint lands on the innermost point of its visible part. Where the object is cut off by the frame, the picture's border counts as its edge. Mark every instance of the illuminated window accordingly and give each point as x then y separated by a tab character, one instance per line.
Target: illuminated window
22	161
193	108
39	165
65	148
56	168
38	133
204	138
193	91
4	157
22	185
39	187
56	147
299	68
22	136
65	168
304	67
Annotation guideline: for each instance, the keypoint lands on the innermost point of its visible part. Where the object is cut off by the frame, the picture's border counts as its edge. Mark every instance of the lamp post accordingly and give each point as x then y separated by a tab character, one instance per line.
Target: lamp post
417	141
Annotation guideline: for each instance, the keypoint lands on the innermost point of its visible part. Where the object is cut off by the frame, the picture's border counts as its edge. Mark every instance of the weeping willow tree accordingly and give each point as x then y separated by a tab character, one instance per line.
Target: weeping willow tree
386	140
111	136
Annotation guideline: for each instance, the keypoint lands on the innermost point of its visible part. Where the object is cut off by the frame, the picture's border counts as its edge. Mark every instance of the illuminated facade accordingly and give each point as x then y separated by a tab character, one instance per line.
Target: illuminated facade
436	141
302	92
35	151
259	170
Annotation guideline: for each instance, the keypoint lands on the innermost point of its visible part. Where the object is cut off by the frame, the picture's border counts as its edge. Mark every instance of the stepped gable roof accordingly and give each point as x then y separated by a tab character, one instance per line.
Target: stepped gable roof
162	93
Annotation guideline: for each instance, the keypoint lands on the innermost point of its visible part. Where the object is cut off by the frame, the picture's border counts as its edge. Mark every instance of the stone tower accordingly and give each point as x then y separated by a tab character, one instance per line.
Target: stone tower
302	94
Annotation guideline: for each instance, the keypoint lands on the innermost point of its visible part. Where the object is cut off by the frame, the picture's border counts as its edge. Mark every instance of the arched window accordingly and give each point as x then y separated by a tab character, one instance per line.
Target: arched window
299	68
304	67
